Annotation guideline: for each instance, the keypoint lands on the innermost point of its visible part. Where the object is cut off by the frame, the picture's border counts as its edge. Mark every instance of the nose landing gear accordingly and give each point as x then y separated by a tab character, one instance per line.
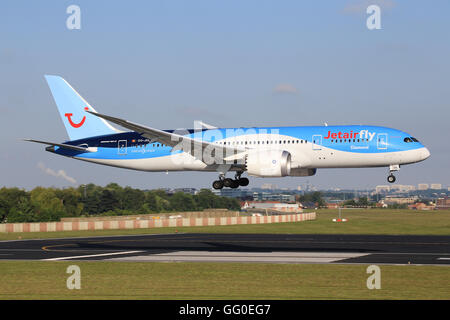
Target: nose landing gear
391	178
392	168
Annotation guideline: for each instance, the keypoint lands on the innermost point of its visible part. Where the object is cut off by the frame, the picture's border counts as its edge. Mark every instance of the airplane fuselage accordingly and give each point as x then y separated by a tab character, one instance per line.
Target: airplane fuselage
309	146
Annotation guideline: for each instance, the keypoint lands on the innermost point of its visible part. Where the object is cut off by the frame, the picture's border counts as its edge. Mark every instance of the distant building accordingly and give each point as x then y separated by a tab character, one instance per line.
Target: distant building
272	205
269	186
267	196
400	200
381	204
436	186
443	203
422	186
379	189
421	206
402	188
233	193
309	205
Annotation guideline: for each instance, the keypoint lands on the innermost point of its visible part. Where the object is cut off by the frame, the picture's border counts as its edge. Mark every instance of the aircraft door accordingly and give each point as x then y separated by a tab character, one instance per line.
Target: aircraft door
122	147
382	141
317	142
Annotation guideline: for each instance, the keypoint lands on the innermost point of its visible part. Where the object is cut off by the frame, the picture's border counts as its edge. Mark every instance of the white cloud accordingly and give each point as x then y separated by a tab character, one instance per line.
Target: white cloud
285	88
59	174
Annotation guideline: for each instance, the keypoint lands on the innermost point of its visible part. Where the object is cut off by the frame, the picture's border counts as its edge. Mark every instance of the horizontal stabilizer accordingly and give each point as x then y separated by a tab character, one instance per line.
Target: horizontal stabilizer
62	145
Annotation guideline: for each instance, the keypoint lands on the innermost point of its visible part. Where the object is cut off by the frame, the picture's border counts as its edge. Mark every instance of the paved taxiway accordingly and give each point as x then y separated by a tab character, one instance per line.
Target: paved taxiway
266	248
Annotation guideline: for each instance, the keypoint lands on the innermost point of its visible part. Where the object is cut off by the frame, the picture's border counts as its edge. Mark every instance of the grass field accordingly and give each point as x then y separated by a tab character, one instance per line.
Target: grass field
125	280
360	221
130	280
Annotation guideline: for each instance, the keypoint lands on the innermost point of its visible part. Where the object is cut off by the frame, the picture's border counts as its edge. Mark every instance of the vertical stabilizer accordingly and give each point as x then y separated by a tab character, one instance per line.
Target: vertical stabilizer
72	109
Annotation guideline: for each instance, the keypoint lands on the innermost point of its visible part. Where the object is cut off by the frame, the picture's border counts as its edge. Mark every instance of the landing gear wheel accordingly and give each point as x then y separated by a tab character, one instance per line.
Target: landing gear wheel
228	182
218	184
243	182
234	184
391	178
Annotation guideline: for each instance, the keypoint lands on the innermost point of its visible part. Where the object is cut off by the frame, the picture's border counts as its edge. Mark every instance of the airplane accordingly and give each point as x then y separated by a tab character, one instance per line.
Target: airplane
295	151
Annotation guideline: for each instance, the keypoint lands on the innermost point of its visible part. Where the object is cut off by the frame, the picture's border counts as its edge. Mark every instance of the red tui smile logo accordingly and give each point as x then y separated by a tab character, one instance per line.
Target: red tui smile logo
73	124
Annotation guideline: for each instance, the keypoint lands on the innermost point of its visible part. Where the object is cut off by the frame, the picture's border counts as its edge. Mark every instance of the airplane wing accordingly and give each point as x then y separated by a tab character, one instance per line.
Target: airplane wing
186	144
63	145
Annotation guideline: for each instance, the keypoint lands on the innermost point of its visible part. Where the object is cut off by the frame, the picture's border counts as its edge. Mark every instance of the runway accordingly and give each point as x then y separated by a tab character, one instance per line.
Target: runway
247	248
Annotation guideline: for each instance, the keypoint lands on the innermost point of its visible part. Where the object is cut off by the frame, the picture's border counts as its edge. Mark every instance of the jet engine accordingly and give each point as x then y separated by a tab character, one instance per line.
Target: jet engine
303	172
268	163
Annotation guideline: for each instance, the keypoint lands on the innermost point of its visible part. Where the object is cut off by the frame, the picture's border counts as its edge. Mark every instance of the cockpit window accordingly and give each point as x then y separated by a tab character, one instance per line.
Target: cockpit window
410	139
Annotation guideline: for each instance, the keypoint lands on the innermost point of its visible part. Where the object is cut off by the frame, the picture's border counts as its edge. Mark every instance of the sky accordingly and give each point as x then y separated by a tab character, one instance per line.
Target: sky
166	64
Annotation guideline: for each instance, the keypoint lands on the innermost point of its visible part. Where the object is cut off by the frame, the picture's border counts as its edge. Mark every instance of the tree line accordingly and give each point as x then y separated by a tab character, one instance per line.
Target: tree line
52	204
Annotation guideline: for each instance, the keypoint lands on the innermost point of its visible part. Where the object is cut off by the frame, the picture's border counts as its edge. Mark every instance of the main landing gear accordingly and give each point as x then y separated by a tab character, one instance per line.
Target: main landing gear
392	168
230	183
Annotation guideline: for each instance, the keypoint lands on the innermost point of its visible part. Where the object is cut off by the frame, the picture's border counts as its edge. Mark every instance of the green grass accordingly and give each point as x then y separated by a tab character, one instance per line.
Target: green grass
125	280
360	221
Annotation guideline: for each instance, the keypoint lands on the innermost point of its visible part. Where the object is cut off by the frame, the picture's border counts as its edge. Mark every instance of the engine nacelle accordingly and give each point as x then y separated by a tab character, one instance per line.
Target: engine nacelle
268	163
302	172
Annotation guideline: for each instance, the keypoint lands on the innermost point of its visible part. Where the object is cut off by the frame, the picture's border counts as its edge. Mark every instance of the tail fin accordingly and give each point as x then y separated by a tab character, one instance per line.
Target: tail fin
79	124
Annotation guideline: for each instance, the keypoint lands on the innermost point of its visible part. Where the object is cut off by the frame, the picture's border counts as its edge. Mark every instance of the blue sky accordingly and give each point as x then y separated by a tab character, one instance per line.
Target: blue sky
168	63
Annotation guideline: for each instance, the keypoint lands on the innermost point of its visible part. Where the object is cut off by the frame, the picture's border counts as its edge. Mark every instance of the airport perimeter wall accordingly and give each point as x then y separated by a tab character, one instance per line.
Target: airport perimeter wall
151	223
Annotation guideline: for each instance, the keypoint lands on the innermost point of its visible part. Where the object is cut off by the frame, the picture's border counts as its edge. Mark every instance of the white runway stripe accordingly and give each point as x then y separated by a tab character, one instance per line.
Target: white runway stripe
264	257
92	255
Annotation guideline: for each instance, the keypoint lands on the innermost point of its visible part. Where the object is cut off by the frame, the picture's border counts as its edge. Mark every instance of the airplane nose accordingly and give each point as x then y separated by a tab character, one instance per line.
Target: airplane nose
425	153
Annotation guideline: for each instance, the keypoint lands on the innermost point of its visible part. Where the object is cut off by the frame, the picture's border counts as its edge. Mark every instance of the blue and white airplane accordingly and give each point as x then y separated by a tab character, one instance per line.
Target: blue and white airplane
259	151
